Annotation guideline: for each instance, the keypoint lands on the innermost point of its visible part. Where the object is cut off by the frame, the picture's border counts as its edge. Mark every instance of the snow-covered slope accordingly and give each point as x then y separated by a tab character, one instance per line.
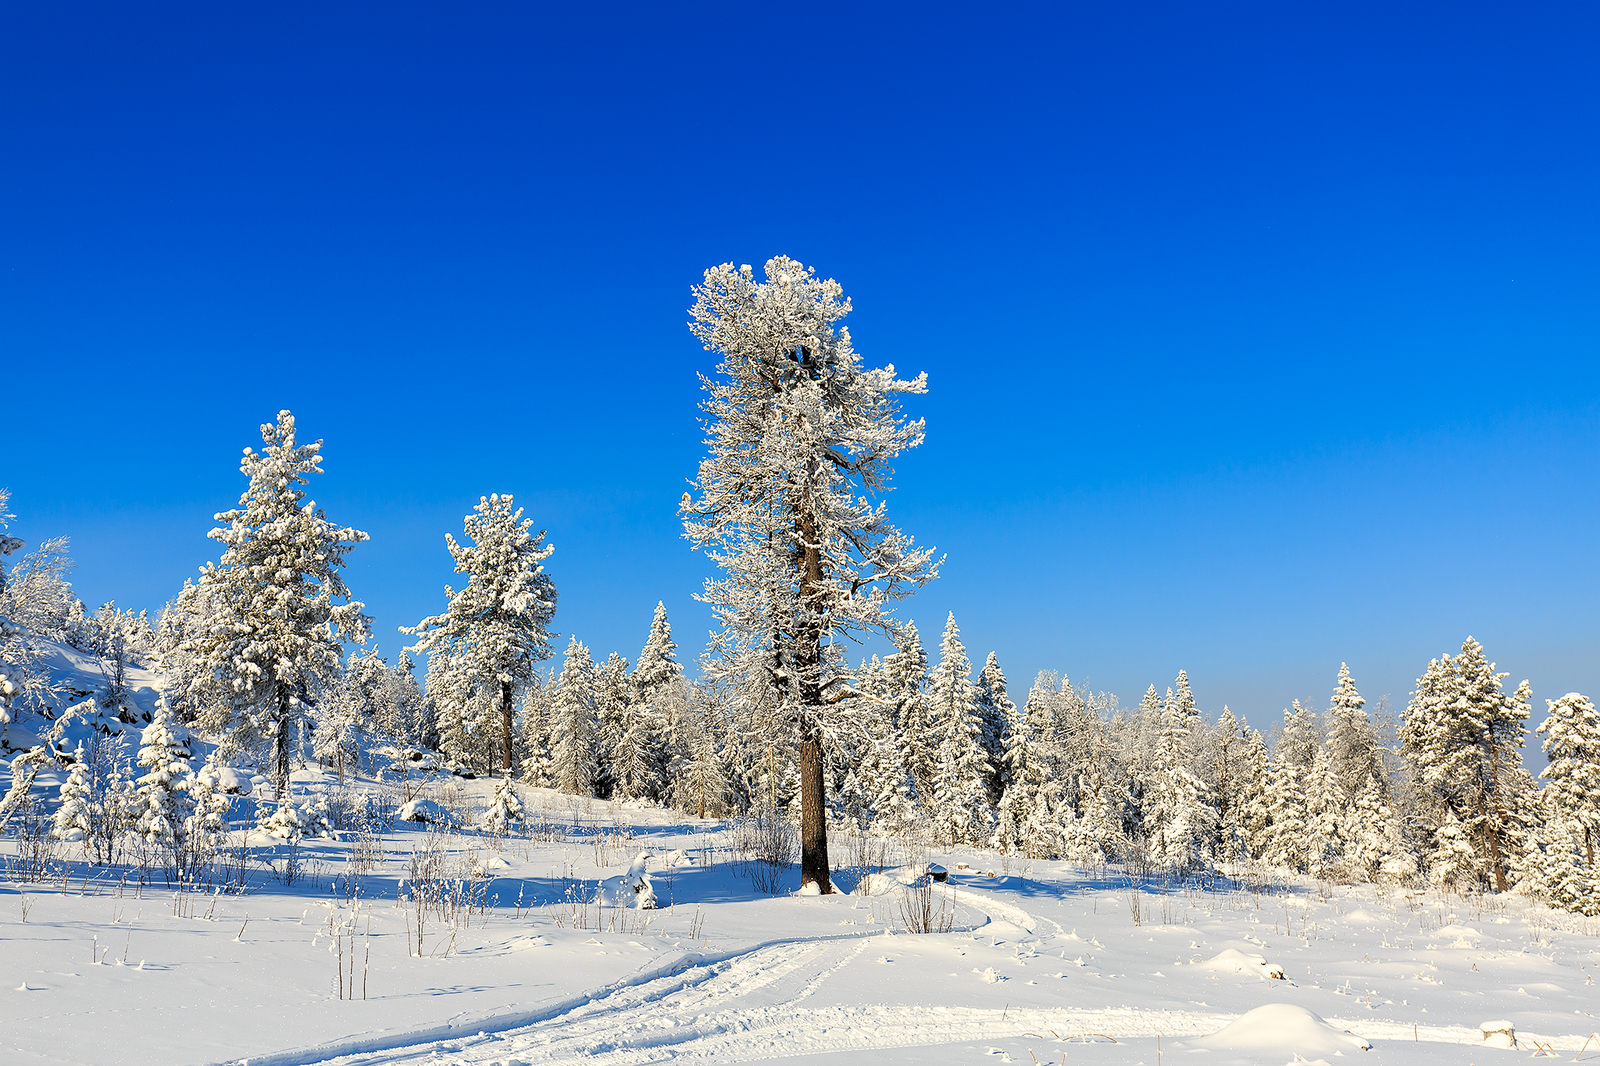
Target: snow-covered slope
78	676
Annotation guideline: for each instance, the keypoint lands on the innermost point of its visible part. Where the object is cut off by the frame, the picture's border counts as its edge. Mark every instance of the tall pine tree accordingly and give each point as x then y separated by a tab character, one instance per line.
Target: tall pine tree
281	607
497	628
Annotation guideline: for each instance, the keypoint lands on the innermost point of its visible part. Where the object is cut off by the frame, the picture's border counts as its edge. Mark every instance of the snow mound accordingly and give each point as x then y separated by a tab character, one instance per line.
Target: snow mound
232	781
876	885
632	889
423	810
1232	960
1281	1027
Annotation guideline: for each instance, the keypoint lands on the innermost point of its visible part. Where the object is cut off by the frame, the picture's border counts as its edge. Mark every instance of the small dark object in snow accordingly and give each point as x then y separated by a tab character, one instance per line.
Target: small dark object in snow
937	872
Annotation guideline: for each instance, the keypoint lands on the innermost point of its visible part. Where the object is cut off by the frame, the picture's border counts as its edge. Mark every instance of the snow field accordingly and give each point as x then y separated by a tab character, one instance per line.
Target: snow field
1041	960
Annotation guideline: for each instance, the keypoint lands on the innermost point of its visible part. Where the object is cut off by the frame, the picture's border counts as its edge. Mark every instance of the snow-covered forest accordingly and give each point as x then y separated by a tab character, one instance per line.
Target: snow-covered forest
267	658
208	743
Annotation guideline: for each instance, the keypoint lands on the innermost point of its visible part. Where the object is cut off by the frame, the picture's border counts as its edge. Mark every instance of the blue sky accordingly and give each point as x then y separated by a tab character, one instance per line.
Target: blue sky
1259	337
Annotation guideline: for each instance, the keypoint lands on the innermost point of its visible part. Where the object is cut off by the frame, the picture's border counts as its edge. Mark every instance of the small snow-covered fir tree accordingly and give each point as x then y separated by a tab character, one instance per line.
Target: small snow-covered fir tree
1375	847
497	627
1325	817
658	663
72	818
1182	709
535	729
572	723
164	800
1452	861
504	810
961	808
612	699
1029	811
1572	745
703	788
207	823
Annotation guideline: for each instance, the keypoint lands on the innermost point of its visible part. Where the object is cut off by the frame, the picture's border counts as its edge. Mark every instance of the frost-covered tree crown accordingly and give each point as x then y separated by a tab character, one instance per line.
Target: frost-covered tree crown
500	620
799	435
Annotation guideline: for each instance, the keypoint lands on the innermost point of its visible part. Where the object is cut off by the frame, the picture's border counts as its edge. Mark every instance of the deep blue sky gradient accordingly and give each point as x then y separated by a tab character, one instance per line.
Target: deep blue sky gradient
1259	337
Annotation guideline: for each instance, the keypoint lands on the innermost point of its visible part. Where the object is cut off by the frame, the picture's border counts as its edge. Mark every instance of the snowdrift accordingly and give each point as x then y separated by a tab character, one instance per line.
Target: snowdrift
1232	960
1281	1028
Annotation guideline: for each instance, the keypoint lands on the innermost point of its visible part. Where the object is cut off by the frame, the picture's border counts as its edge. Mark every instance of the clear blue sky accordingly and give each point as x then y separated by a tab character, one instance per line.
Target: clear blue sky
1259	338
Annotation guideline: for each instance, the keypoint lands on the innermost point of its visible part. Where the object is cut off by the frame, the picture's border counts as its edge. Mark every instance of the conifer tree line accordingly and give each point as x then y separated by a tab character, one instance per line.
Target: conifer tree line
265	654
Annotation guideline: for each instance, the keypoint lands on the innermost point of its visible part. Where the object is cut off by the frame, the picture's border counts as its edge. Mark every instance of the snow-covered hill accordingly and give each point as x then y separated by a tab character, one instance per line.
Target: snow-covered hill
77	676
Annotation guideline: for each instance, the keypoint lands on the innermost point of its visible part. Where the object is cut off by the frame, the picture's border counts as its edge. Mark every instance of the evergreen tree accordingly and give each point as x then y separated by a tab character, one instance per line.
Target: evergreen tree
996	715
1463	737
704	788
1376	848
1453	862
164	801
658	665
1254	804
535	738
1029	815
1226	747
613	704
960	790
341	712
904	676
800	434
1302	736
1325	817
72	817
277	632
651	729
1568	881
1184	711
1285	836
1099	824
1572	745
1179	821
504	810
407	717
572	717
1352	743
497	628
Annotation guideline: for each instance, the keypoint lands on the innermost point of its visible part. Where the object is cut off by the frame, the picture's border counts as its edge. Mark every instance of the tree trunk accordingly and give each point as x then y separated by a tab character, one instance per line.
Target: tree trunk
280	746
505	721
808	658
1491	835
813	816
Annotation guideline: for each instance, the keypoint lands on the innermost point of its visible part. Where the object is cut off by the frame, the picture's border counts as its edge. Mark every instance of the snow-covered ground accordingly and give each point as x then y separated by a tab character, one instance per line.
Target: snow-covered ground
1042	961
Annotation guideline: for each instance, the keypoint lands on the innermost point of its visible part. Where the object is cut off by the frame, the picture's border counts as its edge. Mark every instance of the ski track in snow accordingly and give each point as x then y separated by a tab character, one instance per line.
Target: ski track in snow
751	1006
